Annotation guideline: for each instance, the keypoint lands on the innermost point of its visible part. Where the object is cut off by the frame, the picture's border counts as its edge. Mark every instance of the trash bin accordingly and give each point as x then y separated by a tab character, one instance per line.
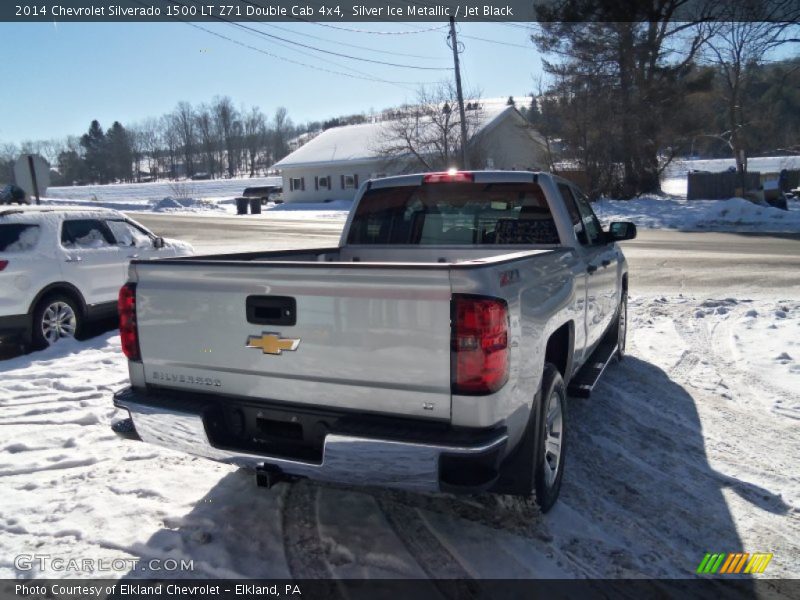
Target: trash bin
241	206
255	206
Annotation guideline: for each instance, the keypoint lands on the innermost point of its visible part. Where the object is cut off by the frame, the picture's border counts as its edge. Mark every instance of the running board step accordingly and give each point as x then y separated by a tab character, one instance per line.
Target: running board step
582	384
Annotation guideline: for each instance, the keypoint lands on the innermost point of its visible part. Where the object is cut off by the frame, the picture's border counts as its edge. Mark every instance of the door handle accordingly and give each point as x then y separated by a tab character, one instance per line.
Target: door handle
73	259
591	269
606	262
133	256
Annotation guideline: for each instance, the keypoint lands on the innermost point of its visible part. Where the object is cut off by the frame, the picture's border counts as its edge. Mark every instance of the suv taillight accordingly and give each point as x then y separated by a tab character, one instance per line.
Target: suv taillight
3	264
479	360
128	329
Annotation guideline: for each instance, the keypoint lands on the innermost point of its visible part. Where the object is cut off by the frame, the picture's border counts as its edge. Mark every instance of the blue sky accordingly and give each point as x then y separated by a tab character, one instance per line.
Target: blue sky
57	78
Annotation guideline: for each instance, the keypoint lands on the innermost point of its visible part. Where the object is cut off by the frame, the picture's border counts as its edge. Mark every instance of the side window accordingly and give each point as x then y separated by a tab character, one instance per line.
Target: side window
82	234
591	224
574	213
127	234
18	237
590	221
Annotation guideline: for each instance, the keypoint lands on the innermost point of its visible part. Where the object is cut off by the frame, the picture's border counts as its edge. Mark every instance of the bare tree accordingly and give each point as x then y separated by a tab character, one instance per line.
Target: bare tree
227	121
255	133
148	132
170	139
185	124
739	46
282	130
427	134
209	138
136	140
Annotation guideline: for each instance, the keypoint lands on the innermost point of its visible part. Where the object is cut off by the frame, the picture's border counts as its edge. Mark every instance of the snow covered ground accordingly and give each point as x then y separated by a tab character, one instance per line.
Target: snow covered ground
143	194
214	198
735	214
688	446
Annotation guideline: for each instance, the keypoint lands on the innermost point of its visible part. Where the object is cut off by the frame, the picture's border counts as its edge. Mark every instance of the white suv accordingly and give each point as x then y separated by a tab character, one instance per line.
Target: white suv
60	267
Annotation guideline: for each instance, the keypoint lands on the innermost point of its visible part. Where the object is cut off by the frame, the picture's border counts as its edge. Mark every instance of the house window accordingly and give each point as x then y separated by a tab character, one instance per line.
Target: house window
349	181
323	183
297	183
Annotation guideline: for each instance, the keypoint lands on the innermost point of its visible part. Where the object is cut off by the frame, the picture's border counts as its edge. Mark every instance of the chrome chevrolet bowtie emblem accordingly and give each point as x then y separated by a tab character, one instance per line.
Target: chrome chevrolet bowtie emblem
272	343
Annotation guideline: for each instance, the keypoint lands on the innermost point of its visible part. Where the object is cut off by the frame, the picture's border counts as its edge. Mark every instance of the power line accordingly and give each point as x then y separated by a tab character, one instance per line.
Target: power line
390	52
347	67
353	30
296	62
331	52
309	47
379	62
488	41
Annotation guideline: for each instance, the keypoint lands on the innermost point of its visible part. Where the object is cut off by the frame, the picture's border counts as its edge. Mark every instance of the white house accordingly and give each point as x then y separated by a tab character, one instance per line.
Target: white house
332	165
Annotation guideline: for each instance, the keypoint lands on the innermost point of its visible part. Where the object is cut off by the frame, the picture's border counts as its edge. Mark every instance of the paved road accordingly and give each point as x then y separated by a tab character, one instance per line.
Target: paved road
661	261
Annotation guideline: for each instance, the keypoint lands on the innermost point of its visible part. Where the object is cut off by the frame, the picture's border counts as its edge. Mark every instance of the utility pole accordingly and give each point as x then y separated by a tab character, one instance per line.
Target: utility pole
454	46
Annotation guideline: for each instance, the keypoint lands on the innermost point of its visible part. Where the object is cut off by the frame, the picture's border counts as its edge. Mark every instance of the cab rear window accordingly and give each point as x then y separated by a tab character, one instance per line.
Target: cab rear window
463	213
18	237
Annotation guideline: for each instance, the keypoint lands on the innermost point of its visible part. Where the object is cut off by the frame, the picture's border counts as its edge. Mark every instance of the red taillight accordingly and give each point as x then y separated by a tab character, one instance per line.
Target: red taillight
479	345
448	177
3	264
128	329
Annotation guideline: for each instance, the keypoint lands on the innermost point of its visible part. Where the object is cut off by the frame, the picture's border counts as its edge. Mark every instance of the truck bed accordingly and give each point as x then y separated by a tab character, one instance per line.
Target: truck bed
438	257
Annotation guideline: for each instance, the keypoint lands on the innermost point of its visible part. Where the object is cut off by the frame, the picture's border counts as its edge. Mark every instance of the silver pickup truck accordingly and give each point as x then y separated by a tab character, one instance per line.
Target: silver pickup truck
433	349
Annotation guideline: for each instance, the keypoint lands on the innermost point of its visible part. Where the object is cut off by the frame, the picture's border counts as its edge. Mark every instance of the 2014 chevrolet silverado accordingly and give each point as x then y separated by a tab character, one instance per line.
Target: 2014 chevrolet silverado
431	350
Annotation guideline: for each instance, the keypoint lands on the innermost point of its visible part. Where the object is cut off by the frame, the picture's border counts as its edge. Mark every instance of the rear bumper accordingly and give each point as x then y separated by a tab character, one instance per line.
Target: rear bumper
15	326
450	463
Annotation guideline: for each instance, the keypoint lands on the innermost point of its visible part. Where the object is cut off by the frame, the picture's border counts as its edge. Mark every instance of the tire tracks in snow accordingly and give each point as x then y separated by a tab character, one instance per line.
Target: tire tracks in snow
434	559
305	553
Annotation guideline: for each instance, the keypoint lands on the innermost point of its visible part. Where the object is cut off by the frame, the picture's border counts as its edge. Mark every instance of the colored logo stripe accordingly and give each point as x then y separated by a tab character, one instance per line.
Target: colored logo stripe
732	563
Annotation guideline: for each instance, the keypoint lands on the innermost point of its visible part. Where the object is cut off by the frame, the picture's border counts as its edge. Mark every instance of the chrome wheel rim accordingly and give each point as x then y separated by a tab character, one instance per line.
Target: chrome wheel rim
58	322
553	438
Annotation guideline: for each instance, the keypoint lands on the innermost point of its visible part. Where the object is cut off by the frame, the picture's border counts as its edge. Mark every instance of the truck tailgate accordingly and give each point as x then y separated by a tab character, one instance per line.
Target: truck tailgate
366	338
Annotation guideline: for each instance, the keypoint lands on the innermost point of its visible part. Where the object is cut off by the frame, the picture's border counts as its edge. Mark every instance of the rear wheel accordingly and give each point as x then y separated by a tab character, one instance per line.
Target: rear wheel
553	426
55	318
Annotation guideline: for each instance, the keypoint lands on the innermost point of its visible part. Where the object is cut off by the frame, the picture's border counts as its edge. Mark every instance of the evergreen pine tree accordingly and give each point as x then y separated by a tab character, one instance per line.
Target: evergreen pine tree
95	159
120	153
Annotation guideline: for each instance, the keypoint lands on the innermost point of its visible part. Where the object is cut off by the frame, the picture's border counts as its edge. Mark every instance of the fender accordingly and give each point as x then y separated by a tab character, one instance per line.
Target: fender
60	286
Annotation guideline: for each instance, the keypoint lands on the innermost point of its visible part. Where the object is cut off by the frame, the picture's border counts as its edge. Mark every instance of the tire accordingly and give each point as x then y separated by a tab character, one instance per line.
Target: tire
549	471
622	326
55	317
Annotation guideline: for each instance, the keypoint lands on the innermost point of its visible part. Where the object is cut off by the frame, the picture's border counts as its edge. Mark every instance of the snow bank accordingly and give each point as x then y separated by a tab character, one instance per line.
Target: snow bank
735	214
146	193
336	209
170	204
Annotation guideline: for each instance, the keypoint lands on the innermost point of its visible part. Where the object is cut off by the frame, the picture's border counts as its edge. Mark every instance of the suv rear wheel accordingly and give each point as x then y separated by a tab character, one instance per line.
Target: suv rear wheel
56	317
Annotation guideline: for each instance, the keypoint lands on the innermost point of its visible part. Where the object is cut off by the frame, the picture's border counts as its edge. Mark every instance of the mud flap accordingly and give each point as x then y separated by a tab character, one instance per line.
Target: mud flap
517	471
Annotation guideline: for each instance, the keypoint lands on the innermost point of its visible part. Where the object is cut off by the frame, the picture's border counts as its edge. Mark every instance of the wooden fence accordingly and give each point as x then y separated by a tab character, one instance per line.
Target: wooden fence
718	186
721	186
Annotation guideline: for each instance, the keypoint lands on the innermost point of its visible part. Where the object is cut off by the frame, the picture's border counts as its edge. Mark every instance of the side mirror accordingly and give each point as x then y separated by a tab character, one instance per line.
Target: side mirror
158	243
619	231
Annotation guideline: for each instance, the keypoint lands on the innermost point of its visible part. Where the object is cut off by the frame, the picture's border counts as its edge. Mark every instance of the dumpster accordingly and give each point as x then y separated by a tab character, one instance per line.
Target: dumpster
241	206
255	206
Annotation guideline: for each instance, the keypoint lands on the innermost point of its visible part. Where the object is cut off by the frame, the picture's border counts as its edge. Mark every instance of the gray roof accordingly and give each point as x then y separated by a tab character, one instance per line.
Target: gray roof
361	143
